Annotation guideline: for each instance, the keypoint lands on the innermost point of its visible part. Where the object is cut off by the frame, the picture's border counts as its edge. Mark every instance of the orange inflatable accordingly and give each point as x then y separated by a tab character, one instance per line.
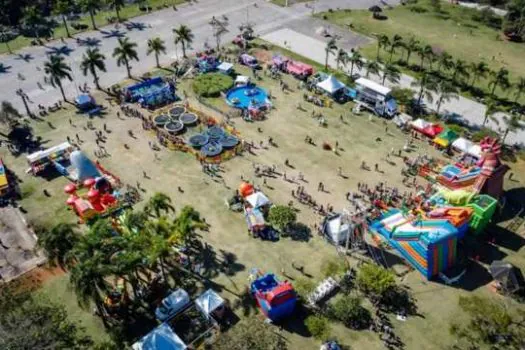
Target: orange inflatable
245	189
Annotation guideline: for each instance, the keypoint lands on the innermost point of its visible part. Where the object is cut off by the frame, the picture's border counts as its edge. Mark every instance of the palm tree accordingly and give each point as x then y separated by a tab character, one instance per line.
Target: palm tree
372	67
427	84
58	242
397	41
341	57
424	52
56	70
183	35
392	73
33	18
159	250
329	50
446	92
478	70
156	45
460	71
520	88
125	52
159	203
513	124
410	46
92	60
187	222
499	79
382	42
491	107
91	6
63	8
444	62
117	5
356	60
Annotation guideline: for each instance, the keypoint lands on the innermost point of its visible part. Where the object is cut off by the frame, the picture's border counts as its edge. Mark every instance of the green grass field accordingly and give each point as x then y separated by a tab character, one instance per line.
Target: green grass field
127	12
452	31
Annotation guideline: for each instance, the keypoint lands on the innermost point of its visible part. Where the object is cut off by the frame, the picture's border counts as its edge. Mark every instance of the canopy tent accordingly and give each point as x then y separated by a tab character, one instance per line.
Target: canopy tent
466	146
420	124
475	151
84	101
161	338
84	167
503	273
225	67
172	304
402	119
208	302
257	200
445	138
242	80
331	85
335	230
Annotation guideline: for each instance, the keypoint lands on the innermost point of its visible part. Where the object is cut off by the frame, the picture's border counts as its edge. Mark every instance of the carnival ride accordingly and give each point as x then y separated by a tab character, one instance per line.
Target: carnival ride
151	94
276	299
250	98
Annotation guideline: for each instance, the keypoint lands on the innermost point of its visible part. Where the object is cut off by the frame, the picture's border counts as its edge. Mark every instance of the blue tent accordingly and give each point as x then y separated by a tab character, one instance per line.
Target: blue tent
84	101
161	338
84	166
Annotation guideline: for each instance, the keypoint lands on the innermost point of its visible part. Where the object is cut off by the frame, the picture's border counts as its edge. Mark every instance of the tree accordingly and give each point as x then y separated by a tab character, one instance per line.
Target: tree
30	322
329	50
499	79
57	70
356	59
424	52
6	35
159	203
478	70
491	107
436	5
318	327
427	84
350	312
124	53
397	41
391	73
282	217
513	123
410	46
92	61
372	67
375	281
251	334
63	8
58	242
221	27
91	6
33	18
520	88
514	24
156	45
341	58
446	92
117	5
186	223
183	36
444	62
460	71
382	42
9	115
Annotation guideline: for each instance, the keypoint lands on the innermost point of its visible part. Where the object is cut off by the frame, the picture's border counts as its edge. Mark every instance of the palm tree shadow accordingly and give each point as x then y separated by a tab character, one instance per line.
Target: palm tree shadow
24	57
59	50
135	26
89	42
112	34
4	69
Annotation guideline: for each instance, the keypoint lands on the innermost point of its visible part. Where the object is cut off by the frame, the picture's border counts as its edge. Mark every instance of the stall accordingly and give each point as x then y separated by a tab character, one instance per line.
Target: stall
40	160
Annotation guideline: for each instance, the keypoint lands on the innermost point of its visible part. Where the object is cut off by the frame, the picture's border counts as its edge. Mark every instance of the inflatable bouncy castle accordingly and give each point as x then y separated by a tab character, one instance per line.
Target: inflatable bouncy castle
275	298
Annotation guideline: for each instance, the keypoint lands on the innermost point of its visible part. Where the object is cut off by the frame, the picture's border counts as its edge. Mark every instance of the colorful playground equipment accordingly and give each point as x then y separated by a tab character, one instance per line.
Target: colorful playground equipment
256	206
40	160
298	69
4	184
151	94
207	63
248	60
275	298
250	98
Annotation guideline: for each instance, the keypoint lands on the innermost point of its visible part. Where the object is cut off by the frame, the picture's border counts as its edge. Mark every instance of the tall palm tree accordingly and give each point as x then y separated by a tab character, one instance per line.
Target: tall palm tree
125	52
156	46
382	42
91	6
183	36
397	41
424	52
355	60
499	79
117	5
63	8
392	73
58	242
520	88
329	49
460	71
410	46
92	60
57	70
426	85
187	222
513	123
341	58
372	67
444	62
478	70
159	203
491	107
446	92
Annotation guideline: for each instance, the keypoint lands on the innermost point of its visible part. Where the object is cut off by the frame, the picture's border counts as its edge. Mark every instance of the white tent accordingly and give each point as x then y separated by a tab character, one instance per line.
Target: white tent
420	124
257	200
462	144
331	85
161	338
172	304
225	67
475	151
208	302
242	80
336	230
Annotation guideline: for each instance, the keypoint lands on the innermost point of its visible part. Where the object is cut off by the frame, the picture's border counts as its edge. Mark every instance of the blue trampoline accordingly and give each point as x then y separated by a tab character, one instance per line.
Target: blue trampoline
247	96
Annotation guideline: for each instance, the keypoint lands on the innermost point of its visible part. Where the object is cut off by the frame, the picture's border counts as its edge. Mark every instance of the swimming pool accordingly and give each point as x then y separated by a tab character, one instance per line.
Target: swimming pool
244	96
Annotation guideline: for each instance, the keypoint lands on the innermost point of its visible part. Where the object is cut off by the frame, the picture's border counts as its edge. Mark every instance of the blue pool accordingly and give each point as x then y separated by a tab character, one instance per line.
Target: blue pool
246	96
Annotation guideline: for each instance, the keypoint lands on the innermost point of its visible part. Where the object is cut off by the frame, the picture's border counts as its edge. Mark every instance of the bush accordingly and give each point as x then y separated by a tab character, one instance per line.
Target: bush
282	216
350	312
403	96
488	17
375	281
458	129
479	135
332	267
304	286
212	84
318	327
418	9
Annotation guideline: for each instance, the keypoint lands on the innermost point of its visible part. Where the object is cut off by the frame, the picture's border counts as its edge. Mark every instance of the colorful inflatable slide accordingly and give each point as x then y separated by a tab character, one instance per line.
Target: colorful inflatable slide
454	177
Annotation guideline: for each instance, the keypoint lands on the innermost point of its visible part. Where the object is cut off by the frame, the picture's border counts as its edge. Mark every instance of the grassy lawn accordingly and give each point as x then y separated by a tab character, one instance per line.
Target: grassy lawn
452	31
288	126
101	17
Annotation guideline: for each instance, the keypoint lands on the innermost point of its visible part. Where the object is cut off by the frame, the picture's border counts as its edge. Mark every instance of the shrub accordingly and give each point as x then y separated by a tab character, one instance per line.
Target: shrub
375	280
304	286
318	327
488	17
403	96
212	84
418	9
282	216
332	267
458	129
350	312
479	135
